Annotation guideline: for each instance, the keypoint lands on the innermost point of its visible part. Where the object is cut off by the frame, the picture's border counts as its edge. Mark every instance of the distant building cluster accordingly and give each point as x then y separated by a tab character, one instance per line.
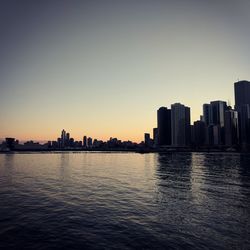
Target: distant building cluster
66	142
220	126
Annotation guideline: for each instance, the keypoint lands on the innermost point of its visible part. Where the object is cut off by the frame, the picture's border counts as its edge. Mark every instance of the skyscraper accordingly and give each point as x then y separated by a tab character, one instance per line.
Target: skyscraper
89	142
180	125
242	93
231	128
67	139
85	145
63	138
155	136
207	114
199	130
218	109
242	105
244	123
164	126
147	140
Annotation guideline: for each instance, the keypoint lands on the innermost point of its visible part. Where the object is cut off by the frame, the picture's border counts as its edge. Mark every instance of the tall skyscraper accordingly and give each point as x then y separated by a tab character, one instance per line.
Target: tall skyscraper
218	109
164	126
63	138
242	105
199	130
180	125
89	141
155	136
244	124
242	93
85	144
231	128
207	114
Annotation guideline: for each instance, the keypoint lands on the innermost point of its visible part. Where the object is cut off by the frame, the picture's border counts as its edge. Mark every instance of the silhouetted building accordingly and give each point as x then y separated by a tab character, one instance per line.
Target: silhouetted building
147	140
71	142
231	128
216	135
244	123
89	142
180	125
10	143
63	138
192	140
67	139
155	136
31	145
209	136
207	114
218	112
85	145
164	126
199	132
218	109
242	105
59	142
242	93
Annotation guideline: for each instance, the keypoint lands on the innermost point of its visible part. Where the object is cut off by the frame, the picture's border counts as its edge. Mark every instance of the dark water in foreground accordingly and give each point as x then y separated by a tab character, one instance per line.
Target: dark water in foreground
124	201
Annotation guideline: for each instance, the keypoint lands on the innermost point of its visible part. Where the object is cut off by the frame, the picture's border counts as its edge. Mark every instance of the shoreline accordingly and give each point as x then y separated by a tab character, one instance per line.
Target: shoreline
139	151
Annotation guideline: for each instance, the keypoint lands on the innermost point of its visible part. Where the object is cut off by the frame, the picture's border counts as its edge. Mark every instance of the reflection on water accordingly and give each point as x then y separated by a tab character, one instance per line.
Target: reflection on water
124	201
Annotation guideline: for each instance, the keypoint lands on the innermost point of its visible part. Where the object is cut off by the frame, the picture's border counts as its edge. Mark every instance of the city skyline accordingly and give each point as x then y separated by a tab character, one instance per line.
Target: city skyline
103	68
203	114
219	125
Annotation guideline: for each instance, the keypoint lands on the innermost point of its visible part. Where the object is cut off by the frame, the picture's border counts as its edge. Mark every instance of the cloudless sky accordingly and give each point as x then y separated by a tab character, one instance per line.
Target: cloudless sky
103	68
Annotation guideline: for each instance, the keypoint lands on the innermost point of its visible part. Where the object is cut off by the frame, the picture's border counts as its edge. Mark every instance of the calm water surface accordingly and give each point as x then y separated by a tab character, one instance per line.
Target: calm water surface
124	201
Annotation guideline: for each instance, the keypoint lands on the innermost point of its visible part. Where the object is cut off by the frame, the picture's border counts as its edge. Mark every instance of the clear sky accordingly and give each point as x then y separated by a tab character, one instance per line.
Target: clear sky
103	68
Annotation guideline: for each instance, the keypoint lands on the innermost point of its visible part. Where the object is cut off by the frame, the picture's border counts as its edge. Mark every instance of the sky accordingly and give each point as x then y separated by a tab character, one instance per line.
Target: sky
103	68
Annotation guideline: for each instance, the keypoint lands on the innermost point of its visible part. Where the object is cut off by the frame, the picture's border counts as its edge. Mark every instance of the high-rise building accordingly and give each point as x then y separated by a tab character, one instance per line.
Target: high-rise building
231	128
147	140
218	109
67	139
199	130
164	126
59	142
242	105
63	138
207	114
209	141
180	125
85	145
155	136
216	135
89	141
244	123
242	93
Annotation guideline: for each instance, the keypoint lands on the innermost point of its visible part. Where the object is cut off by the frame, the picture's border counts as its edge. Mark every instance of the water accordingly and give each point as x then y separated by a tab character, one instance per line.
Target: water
124	201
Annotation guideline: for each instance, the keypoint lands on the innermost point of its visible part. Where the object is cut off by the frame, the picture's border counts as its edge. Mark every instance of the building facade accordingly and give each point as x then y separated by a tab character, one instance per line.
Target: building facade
180	125
164	126
242	105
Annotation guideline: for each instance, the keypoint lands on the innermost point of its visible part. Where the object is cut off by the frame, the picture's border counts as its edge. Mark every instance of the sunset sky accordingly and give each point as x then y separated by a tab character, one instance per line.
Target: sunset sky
103	68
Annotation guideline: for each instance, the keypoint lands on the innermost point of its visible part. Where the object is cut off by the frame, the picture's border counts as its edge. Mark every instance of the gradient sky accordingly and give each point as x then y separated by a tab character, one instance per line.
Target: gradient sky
103	68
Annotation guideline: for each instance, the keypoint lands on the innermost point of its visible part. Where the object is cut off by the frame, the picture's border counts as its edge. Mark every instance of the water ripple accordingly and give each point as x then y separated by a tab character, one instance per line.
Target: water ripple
124	201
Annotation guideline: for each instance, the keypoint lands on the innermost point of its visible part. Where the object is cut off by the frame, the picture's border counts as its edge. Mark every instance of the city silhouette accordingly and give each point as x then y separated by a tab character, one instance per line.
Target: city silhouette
220	127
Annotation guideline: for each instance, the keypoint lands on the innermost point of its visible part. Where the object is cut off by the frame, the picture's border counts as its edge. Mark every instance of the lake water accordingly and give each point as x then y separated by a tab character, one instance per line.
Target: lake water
124	201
